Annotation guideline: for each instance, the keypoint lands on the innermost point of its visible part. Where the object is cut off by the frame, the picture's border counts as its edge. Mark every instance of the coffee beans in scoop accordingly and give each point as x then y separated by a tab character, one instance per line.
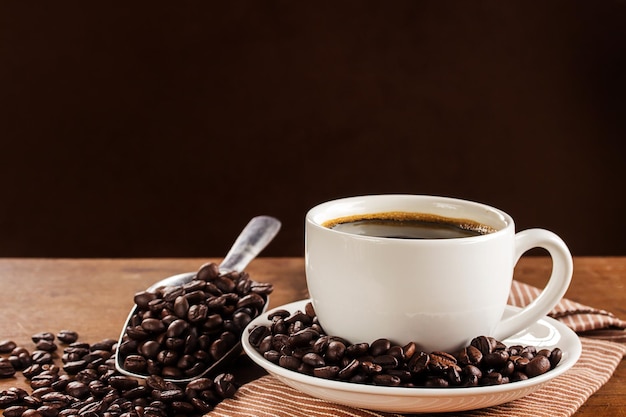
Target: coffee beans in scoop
179	331
298	342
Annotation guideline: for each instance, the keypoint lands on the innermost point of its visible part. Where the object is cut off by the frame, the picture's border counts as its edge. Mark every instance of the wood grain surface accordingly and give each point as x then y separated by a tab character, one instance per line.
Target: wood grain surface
94	296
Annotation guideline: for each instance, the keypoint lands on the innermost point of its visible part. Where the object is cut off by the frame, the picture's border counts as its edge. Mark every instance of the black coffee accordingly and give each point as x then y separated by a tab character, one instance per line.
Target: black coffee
402	225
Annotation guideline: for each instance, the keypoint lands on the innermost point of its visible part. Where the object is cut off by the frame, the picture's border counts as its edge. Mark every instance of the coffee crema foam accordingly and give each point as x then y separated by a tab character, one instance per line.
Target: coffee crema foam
408	225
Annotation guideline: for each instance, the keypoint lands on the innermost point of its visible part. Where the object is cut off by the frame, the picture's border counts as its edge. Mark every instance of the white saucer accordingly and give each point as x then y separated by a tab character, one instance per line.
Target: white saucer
546	333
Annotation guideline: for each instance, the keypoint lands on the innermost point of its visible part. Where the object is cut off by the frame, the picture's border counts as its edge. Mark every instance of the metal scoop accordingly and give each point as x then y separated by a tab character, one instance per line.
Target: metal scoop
257	234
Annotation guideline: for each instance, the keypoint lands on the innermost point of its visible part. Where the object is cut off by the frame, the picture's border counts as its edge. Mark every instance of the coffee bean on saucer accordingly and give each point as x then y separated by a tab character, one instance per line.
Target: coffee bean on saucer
296	342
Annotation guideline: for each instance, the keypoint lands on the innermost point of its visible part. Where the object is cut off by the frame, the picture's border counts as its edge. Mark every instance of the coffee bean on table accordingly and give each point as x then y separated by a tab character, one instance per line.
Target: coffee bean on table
6	346
67	336
43	336
296	341
6	369
99	389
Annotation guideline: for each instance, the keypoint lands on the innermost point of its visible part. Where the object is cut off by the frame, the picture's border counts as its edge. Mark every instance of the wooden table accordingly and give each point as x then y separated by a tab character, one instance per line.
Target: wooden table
93	297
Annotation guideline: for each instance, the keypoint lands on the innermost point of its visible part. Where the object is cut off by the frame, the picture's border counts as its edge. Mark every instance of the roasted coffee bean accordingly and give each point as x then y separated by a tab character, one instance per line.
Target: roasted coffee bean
67	336
492	378
397	352
167	357
42	336
386	361
200	384
41	357
213	323
177	328
7	398
298	316
409	350
335	351
327	372
6	346
555	357
441	361
370	367
258	334
46	345
537	366
483	344
300	338
289	362
496	359
278	314
44	379
544	352
61	382
219	348
152	325
208	271
181	306
262	288
404	375
225	385
470	381
79	389
518	376
349	370
48	411
386	379
356	350
34	400
272	356
419	363
135	363
56	399
470	355
15	411
241	318
520	363
251	300
32	370
313	359
105	345
74	367
436	382
379	347
6	368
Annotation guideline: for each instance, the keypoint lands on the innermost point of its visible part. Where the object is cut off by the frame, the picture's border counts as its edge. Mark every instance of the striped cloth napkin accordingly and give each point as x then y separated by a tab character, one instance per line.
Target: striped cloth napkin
602	337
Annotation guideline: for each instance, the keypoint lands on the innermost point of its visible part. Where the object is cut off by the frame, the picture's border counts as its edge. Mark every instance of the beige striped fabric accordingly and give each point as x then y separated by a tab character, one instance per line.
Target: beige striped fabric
267	397
586	321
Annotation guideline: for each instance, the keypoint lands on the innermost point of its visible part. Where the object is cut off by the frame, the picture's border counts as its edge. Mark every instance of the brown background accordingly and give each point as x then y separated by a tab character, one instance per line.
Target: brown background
159	128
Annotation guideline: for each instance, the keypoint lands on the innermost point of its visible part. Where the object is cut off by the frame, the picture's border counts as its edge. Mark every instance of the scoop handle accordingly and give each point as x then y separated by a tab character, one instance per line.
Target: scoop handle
257	234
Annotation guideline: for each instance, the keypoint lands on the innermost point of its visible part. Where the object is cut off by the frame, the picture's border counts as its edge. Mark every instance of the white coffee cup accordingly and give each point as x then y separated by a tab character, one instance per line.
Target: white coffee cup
438	293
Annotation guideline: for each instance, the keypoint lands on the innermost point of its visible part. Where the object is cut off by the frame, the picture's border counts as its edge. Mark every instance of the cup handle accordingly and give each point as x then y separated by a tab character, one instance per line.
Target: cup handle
560	278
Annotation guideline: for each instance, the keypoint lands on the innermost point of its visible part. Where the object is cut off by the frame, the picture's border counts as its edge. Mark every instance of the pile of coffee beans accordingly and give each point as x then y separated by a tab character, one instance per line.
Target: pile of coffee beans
175	332
178	331
297	342
82	381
